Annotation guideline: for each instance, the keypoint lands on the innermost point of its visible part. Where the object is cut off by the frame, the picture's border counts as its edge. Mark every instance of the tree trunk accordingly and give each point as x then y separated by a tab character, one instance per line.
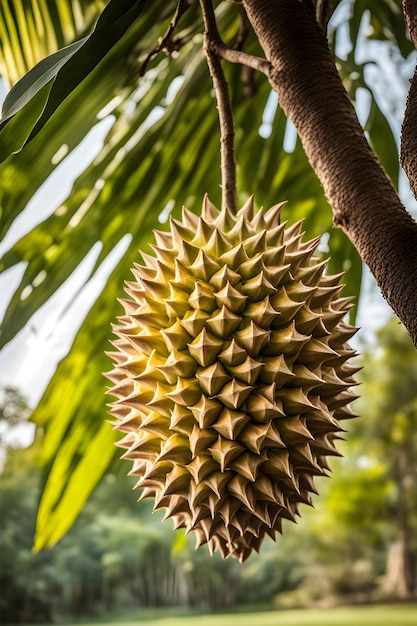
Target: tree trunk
393	585
409	135
406	577
364	202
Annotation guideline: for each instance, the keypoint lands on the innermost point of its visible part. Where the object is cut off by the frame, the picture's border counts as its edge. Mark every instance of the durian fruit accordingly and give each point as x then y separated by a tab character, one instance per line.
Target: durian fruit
231	374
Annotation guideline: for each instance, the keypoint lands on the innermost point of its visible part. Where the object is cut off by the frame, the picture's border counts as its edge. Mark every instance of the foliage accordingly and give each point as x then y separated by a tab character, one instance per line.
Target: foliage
115	557
372	494
23	588
389	425
160	150
13	411
119	555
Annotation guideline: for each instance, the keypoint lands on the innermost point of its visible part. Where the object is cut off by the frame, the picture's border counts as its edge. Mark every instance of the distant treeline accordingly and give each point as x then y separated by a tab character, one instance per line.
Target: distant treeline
358	545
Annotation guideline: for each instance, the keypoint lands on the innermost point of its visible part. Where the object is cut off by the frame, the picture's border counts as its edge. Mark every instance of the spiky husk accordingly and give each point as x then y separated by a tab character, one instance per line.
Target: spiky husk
231	374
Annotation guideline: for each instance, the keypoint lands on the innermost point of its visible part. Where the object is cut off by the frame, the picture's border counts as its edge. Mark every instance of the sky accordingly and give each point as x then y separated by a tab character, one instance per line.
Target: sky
29	361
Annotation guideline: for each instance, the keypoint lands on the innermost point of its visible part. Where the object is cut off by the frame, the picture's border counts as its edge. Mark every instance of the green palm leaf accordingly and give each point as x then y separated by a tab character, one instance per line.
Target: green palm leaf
30	31
63	71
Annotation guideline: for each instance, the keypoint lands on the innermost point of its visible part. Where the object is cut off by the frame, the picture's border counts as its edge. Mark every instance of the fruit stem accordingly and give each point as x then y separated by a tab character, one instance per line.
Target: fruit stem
224	107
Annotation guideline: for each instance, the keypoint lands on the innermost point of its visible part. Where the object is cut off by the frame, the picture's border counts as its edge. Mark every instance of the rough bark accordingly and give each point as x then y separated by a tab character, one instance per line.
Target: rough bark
409	132
364	202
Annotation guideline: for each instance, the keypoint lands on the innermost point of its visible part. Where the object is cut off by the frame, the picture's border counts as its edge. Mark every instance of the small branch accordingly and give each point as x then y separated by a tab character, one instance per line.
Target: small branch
324	10
250	63
410	13
167	43
243	30
408	156
248	82
238	56
224	106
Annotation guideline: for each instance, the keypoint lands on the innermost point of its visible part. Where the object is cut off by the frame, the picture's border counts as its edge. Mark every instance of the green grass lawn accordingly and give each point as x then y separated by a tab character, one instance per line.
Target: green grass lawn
392	615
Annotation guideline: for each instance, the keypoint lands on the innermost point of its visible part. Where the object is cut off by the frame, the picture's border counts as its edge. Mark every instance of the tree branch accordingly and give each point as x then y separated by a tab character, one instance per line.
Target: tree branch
364	202
224	105
324	10
244	30
238	56
167	43
408	154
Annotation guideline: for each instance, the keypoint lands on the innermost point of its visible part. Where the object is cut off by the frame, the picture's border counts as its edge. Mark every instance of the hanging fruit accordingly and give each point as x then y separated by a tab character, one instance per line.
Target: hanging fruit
231	373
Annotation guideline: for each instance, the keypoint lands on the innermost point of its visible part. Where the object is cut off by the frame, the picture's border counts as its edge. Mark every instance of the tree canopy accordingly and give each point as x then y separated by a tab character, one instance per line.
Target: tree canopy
138	69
